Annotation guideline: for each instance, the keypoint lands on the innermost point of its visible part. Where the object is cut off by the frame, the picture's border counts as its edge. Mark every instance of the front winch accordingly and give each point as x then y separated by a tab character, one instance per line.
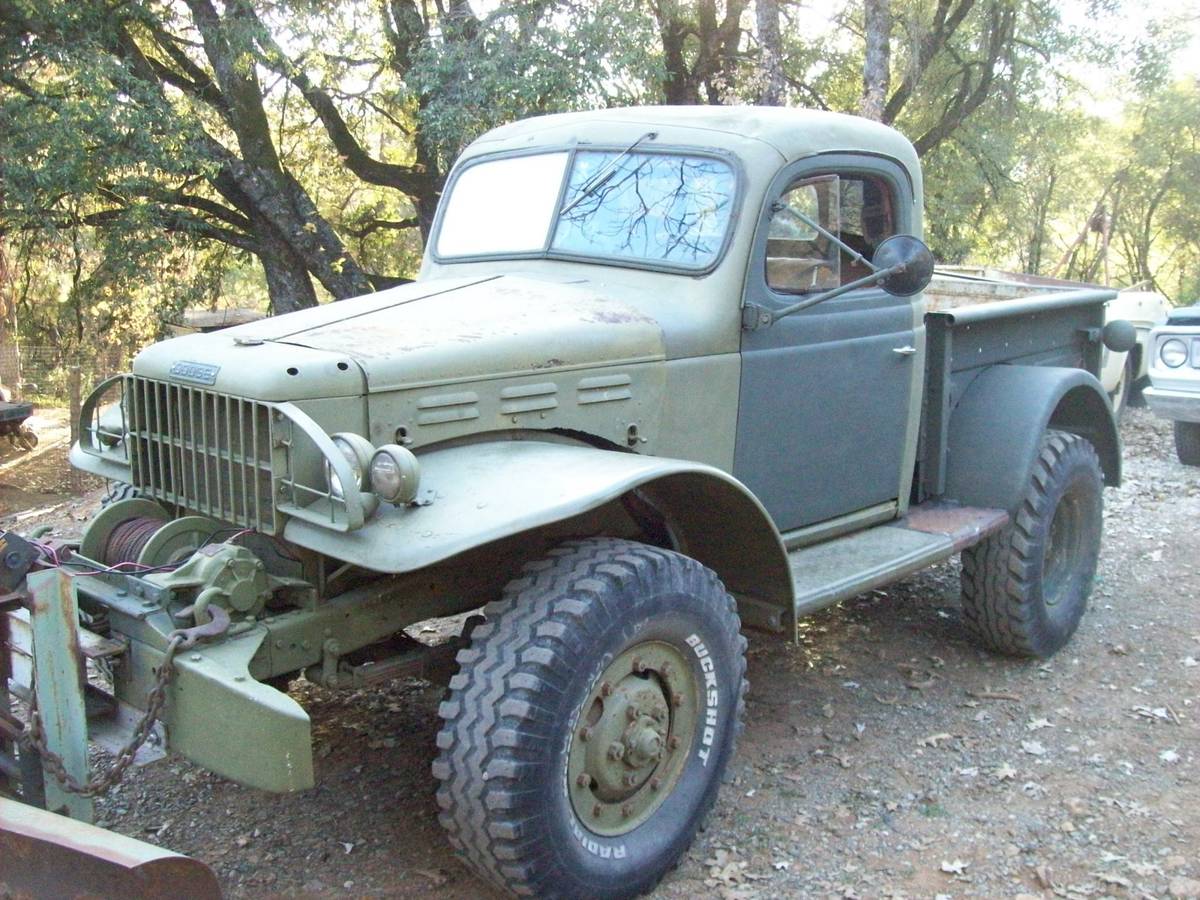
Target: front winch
229	573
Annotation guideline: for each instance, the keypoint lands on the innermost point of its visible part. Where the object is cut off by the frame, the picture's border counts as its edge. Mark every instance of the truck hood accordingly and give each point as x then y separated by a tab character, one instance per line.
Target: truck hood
427	332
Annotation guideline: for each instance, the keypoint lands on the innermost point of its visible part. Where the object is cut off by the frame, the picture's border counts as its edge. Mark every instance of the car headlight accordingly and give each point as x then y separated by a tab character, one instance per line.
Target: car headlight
357	450
395	474
1173	353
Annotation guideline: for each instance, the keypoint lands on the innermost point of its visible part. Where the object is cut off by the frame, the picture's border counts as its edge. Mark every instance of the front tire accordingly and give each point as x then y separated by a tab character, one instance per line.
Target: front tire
1025	589
596	710
1187	442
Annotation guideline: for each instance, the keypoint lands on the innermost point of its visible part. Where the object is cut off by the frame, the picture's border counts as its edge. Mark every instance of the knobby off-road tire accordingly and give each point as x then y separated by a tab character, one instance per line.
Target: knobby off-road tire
1187	442
1025	588
595	712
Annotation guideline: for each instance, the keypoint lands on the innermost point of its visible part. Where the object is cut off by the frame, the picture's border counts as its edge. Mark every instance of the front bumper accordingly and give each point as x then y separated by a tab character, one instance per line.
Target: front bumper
1182	406
217	713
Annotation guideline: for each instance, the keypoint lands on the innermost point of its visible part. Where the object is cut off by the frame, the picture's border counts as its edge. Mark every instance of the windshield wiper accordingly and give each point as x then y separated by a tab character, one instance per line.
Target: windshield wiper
605	174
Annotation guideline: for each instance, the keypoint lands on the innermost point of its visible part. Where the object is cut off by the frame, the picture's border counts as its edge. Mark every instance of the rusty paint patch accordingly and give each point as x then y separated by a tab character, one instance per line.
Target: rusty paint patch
964	525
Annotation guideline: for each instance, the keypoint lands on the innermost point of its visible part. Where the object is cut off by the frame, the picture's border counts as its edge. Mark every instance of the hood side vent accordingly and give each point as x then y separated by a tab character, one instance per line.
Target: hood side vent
522	398
436	409
604	389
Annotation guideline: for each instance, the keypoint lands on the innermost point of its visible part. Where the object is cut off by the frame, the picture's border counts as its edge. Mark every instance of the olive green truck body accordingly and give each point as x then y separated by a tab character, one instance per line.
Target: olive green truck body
596	346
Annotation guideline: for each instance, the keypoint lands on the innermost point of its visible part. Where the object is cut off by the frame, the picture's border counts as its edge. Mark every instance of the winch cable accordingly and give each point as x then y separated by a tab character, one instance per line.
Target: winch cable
128	539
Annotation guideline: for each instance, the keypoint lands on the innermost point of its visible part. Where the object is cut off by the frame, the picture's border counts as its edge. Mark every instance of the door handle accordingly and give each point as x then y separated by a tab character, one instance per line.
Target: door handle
905	351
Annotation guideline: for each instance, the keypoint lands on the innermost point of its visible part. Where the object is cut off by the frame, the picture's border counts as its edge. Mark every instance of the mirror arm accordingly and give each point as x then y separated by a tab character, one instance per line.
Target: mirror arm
757	317
855	256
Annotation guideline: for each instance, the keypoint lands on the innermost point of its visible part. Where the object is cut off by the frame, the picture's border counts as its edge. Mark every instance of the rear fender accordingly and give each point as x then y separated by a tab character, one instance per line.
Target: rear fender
996	430
486	493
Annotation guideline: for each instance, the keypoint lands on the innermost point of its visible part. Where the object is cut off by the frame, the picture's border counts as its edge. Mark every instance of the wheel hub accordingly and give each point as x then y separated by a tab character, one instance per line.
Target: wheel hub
631	745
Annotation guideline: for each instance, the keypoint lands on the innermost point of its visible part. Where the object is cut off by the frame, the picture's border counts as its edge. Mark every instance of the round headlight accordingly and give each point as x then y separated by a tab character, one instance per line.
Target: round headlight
395	474
1173	353
357	450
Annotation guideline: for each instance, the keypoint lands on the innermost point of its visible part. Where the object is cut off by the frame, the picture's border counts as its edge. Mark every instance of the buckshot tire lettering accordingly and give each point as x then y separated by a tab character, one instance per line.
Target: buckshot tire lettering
711	698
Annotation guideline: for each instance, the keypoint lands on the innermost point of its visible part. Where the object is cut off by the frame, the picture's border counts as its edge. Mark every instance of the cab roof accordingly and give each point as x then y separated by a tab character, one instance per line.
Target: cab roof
793	133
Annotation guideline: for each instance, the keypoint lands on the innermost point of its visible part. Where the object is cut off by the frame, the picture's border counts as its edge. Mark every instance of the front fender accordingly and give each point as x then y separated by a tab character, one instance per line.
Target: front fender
996	430
485	492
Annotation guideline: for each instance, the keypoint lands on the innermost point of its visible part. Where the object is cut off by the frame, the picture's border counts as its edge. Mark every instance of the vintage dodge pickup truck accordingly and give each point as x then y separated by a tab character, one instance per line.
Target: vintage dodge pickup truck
666	373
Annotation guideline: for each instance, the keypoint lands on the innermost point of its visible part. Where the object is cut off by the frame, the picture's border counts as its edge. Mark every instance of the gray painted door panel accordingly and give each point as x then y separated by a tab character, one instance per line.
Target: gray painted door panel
824	408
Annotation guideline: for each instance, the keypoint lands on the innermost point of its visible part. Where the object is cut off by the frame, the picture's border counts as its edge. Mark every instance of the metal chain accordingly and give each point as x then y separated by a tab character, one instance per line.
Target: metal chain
35	738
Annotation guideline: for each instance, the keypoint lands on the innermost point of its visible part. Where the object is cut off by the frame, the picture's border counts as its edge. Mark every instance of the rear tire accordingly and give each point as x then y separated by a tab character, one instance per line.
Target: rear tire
596	710
1187	442
1025	589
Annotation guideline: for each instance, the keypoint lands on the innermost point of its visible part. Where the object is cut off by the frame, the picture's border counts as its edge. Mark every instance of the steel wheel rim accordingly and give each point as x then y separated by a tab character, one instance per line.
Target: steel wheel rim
633	737
1062	549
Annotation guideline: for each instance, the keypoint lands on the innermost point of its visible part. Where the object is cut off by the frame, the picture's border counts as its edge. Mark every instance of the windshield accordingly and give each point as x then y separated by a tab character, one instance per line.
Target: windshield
666	208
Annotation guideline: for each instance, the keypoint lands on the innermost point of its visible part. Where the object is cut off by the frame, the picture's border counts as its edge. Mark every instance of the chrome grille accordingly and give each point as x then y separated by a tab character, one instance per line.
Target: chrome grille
206	452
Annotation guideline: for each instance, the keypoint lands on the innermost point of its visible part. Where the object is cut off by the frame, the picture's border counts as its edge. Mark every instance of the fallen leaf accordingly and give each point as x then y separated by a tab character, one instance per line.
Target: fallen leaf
1145	869
346	845
1036	724
958	867
1045	877
1033	748
933	740
1004	772
1169	756
437	878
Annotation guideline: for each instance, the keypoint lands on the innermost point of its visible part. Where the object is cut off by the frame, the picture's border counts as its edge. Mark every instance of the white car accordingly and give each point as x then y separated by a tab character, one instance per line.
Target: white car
1125	375
1175	379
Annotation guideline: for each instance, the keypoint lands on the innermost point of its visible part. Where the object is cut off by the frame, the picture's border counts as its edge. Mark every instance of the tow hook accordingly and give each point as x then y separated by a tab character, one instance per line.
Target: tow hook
217	624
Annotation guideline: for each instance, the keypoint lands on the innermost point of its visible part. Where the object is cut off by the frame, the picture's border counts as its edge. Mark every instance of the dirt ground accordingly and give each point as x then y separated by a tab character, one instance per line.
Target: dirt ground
884	755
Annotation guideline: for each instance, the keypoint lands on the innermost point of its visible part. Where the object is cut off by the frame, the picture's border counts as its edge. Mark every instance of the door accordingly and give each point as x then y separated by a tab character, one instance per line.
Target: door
827	393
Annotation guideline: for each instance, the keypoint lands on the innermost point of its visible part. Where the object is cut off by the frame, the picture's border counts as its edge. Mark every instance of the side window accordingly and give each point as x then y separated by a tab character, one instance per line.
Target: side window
799	258
857	208
868	216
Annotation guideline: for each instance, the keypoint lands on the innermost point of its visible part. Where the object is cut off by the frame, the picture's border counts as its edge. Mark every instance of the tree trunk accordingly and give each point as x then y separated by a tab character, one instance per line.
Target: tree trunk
770	48
288	283
877	66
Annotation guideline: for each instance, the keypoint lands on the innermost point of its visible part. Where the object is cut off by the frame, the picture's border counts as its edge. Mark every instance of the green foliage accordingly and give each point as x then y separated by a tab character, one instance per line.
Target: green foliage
531	57
127	143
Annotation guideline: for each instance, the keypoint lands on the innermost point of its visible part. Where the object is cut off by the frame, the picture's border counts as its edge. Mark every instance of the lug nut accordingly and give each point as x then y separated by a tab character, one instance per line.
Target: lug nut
677	699
630	780
596	810
638	665
585	733
655	784
632	713
584	780
616	750
626	810
673	743
606	690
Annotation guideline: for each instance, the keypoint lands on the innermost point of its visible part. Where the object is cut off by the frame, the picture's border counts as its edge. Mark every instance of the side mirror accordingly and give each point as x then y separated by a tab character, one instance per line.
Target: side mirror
902	266
1119	336
908	262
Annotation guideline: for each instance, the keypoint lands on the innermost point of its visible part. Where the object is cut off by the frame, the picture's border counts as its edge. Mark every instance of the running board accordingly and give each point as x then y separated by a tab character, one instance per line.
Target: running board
823	574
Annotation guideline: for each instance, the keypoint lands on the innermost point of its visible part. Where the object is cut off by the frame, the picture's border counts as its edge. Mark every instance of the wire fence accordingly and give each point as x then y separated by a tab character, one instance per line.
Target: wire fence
43	372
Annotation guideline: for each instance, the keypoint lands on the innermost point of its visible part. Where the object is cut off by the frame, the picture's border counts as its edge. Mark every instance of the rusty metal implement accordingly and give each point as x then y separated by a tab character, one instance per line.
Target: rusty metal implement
50	856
